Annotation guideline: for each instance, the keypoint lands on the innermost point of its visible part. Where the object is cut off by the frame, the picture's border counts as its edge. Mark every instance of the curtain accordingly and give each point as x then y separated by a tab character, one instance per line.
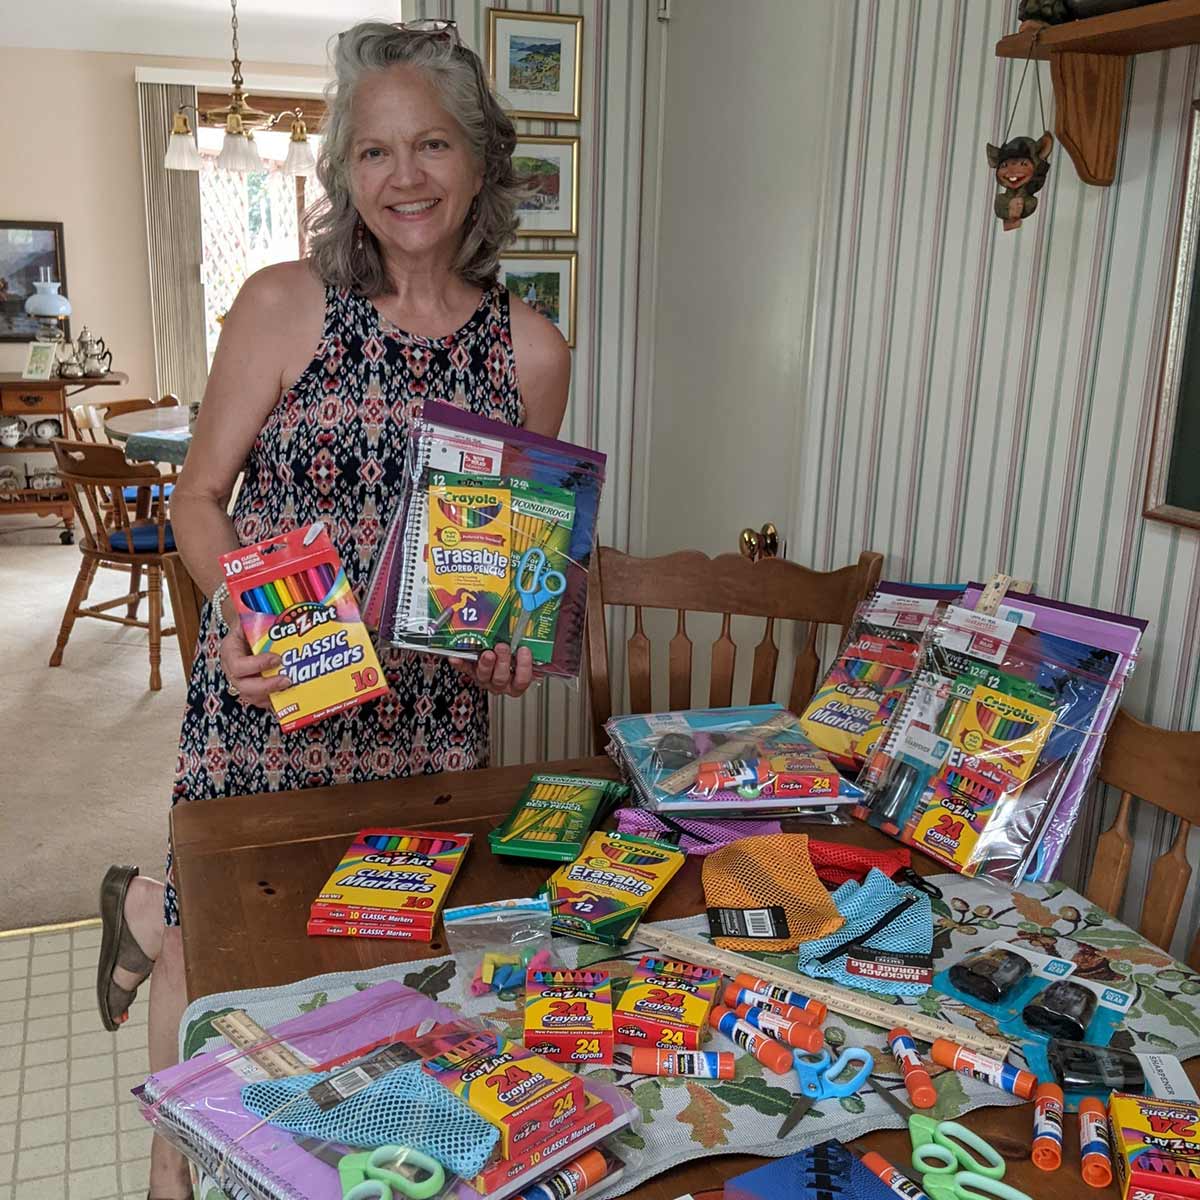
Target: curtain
173	244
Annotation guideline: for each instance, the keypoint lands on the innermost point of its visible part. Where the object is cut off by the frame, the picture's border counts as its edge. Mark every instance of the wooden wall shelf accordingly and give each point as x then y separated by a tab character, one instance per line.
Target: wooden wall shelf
1088	68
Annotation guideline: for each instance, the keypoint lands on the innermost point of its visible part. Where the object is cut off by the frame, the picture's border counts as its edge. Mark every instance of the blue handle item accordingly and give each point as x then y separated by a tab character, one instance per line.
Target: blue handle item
847	1087
545	585
810	1071
944	1148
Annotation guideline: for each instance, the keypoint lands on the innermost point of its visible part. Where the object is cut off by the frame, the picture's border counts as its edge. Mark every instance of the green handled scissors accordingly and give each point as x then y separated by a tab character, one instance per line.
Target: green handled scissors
390	1171
942	1152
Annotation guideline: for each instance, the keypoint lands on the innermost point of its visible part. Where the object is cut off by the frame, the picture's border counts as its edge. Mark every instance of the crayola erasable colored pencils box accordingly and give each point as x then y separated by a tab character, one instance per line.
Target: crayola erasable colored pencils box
569	1015
666	1004
1156	1147
294	600
527	1098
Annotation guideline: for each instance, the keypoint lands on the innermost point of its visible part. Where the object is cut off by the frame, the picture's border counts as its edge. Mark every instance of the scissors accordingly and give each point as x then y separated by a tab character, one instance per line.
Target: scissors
942	1152
544	585
390	1171
818	1080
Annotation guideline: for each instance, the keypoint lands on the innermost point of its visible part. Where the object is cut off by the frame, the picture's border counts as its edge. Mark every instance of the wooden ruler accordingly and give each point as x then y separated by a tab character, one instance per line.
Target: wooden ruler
837	999
683	779
243	1033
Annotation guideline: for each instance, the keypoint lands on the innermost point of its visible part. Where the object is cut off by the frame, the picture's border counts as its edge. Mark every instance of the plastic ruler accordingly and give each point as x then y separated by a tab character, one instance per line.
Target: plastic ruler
838	999
245	1034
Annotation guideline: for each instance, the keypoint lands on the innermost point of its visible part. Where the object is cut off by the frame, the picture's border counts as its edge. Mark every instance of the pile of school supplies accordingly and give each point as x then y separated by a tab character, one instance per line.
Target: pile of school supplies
293	600
569	1015
554	815
391	883
490	542
725	761
603	894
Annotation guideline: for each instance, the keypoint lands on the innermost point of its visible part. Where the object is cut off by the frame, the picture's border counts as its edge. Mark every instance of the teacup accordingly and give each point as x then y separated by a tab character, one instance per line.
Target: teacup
46	429
10	434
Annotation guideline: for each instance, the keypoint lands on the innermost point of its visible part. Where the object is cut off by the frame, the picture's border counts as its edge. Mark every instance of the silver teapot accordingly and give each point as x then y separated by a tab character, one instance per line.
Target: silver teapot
69	364
93	355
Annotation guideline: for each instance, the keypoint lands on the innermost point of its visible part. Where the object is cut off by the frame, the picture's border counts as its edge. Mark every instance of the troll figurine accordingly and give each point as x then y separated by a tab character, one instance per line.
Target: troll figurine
1021	166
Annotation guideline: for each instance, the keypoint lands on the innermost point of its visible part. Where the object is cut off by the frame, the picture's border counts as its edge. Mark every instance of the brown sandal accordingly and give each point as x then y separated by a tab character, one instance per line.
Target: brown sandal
118	948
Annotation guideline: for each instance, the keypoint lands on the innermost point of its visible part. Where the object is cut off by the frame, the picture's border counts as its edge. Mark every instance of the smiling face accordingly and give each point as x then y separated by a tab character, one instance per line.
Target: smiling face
412	173
1015	172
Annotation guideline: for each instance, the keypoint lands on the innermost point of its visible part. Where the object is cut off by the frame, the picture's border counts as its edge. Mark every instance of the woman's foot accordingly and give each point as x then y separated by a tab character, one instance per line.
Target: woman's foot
131	910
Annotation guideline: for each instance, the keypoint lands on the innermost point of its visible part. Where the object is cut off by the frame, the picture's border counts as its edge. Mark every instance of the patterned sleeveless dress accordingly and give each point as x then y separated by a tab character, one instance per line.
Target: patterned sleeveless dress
332	450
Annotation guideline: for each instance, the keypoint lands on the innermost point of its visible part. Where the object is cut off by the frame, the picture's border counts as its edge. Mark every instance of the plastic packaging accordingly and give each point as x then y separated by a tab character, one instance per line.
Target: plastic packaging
490	543
498	943
293	1111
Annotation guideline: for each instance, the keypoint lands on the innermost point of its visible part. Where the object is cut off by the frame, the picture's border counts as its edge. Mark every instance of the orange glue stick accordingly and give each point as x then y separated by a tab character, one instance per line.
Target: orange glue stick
703	1064
1047	1127
916	1078
577	1176
1095	1158
795	999
770	1053
987	1070
791	1033
897	1181
736	996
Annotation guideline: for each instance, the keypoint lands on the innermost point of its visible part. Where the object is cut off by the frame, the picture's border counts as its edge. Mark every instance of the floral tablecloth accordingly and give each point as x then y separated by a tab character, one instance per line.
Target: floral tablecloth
684	1119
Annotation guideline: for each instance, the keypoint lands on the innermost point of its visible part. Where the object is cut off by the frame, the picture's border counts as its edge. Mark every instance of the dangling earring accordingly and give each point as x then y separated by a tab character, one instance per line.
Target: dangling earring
358	236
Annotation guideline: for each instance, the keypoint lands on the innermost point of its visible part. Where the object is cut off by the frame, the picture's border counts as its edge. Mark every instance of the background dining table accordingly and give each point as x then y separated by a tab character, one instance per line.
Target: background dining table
160	435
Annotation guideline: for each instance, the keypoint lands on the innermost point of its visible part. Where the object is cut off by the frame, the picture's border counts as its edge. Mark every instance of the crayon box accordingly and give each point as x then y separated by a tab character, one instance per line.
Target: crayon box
293	600
569	1015
527	1098
665	1005
1156	1147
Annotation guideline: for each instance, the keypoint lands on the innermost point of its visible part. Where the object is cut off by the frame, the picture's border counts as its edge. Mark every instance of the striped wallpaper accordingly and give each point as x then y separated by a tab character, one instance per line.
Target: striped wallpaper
982	399
550	721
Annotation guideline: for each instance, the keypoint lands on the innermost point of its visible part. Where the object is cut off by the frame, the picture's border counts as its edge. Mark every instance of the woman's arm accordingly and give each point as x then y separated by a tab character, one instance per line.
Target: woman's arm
266	340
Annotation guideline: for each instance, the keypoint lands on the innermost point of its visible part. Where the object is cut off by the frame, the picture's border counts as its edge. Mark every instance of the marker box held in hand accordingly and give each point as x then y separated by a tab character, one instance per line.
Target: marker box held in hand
293	600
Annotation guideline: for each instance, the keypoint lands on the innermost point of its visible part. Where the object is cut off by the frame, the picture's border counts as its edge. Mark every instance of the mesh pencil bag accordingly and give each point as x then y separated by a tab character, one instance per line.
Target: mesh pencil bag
886	944
404	1107
695	836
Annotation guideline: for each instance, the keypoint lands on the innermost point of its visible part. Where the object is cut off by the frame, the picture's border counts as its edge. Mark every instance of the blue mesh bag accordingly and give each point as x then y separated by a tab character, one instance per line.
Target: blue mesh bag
404	1107
886	944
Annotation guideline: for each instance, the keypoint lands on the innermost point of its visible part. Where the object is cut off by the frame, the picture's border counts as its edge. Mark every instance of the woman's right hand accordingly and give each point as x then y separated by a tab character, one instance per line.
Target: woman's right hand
243	671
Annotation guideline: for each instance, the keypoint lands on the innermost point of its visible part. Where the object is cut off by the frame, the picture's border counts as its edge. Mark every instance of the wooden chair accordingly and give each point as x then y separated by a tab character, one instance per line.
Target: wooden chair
1163	768
118	535
87	420
690	581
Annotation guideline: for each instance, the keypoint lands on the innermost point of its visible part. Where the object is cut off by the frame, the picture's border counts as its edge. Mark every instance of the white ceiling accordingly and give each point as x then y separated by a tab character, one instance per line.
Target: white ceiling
275	31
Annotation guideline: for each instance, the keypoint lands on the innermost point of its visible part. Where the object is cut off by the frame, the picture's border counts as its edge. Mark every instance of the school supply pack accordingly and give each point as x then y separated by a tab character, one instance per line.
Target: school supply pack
293	600
554	815
490	542
390	883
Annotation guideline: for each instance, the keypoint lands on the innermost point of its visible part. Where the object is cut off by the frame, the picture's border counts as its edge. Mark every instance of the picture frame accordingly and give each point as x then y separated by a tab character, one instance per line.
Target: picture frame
40	360
536	62
25	247
545	280
553	163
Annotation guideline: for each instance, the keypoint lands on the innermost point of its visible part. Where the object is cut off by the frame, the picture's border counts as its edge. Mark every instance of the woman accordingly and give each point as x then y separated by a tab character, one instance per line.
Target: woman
321	368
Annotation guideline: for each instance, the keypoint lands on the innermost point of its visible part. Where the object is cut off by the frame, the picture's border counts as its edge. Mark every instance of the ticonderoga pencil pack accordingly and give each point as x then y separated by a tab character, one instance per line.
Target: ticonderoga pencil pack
542	517
554	815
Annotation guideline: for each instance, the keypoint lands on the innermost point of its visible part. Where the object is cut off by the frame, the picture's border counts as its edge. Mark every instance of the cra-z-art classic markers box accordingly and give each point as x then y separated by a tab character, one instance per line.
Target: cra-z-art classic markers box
294	600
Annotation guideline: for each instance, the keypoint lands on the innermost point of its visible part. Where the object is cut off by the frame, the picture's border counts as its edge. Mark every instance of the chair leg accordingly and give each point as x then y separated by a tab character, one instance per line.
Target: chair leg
83	584
135	583
154	587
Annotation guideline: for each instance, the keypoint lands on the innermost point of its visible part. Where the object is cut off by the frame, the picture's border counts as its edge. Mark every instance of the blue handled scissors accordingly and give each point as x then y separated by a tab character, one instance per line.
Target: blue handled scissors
388	1172
534	590
818	1076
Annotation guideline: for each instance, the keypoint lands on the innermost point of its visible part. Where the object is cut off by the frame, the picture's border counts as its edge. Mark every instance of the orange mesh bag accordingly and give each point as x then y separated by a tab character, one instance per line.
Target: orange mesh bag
766	888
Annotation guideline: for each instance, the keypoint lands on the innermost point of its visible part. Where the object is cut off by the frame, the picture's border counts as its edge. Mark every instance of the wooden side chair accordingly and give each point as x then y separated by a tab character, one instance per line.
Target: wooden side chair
731	585
117	534
1163	768
86	421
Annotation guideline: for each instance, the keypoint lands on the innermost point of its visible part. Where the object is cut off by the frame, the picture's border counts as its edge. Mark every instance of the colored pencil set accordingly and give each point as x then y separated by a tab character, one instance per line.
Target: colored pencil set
390	883
293	600
554	815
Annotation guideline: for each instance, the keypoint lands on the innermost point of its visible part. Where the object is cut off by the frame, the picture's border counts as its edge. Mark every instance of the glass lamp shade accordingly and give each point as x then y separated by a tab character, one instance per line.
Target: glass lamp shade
46	301
239	153
299	159
182	154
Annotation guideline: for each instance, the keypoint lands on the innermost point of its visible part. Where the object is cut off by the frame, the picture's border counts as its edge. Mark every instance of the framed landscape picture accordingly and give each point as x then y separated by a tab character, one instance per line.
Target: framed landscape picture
25	247
535	59
545	280
552	164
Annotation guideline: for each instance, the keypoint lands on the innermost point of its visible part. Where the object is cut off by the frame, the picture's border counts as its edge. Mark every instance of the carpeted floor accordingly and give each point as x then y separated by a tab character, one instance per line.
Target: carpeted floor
87	751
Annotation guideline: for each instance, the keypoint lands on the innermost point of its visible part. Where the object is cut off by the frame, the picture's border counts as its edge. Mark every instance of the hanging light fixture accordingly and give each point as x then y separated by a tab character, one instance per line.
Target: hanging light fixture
241	121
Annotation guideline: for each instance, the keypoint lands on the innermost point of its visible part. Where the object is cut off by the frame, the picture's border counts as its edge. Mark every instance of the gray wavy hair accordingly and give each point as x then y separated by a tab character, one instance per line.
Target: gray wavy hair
462	85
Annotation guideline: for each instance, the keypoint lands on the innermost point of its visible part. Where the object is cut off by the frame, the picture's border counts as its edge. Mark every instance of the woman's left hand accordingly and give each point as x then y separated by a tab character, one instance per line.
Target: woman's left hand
498	672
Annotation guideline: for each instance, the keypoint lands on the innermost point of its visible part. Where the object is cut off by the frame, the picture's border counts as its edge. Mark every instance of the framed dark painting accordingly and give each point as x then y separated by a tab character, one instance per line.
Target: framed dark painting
26	247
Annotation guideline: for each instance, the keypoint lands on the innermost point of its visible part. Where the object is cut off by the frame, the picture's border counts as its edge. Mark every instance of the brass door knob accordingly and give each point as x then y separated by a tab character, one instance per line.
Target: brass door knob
759	543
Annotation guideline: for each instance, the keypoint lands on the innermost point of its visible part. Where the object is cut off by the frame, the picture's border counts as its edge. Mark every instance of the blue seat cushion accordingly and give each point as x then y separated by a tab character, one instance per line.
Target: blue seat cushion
131	493
145	539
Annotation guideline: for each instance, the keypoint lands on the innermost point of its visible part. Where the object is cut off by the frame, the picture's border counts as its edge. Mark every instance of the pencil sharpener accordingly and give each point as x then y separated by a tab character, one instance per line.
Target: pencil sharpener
1079	1067
672	751
991	974
1063	1010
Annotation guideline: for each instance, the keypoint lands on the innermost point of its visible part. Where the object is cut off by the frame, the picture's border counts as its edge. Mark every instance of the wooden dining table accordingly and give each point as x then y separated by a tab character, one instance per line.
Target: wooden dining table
247	868
163	434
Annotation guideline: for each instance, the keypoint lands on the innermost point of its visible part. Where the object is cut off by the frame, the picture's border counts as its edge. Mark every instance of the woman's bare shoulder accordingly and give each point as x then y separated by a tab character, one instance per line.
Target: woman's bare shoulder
286	288
543	367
